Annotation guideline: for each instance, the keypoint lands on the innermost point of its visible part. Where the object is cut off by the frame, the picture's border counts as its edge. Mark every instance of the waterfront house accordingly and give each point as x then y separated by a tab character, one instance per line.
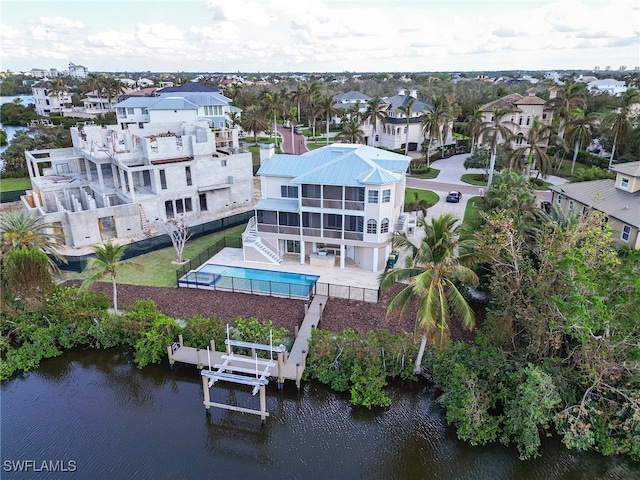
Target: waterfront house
328	206
123	183
618	200
46	101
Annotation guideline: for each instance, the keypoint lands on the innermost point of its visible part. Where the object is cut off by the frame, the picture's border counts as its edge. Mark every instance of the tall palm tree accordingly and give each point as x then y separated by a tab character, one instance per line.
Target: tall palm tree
58	87
441	261
534	150
569	98
580	129
105	264
620	120
254	120
436	121
19	230
95	83
327	106
274	104
472	126
113	88
351	131
315	111
498	130
376	112
407	110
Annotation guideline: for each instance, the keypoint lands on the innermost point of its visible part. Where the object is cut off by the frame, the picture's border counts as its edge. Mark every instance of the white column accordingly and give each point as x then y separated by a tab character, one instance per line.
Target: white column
375	259
342	256
302	253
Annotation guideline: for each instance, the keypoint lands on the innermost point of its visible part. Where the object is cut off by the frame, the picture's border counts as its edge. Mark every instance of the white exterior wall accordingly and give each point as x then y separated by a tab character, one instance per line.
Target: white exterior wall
170	116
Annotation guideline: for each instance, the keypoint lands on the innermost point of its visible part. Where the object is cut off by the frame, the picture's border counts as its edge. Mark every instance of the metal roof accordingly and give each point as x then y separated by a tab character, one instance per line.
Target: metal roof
604	196
173	103
339	164
632	168
140	102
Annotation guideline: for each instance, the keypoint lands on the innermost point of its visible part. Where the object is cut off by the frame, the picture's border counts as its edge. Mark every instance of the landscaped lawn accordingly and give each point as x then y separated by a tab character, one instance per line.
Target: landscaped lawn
431	197
471	215
10	184
158	271
474	179
432	173
565	168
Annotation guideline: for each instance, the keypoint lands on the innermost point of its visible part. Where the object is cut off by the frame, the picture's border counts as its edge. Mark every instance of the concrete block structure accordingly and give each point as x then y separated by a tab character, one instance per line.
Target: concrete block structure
119	183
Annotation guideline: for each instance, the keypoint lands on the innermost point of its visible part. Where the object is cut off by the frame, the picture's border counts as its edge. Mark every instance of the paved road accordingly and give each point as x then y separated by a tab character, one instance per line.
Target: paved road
299	141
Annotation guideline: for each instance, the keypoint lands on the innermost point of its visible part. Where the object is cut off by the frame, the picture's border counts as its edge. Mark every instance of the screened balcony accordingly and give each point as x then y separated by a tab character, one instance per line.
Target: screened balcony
333	197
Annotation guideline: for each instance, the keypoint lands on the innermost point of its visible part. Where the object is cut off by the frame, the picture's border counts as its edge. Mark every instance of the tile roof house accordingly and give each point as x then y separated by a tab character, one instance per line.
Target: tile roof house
618	199
340	202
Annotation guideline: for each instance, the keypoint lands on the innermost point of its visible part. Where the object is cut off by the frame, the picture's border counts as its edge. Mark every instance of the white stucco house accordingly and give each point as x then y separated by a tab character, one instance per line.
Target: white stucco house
328	206
46	101
125	183
607	85
522	109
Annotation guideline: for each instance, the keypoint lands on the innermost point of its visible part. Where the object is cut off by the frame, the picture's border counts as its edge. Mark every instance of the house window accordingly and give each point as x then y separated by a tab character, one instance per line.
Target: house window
311	191
372	226
570	205
544	116
528	120
168	208
145	111
585	210
373	196
223	162
288	191
624	182
333	222
130	111
187	171
386	196
188	207
626	233
203	202
520	139
559	200
520	121
179	206
163	180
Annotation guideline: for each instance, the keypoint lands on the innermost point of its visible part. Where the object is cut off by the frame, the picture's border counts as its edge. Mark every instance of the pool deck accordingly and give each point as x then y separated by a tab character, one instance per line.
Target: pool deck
350	275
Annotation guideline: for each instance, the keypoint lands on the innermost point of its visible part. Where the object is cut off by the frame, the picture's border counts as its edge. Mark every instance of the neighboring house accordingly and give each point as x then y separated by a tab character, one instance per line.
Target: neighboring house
394	135
607	85
341	202
189	87
522	111
78	71
618	199
212	107
96	103
47	102
119	183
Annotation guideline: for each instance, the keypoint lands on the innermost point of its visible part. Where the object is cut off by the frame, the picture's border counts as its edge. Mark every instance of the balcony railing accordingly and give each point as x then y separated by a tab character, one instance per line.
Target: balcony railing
311	202
353	235
353	205
332	204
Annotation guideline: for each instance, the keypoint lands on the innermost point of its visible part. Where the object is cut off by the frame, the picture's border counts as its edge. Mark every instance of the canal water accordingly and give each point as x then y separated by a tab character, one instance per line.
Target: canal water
96	412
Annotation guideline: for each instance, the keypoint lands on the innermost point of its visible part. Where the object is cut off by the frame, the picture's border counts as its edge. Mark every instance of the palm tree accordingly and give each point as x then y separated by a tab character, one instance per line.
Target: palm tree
315	111
19	230
571	97
620	120
535	149
327	106
351	131
473	123
273	103
406	110
498	129
254	120
106	262
442	261
376	112
436	121
580	129
113	88
95	83
58	87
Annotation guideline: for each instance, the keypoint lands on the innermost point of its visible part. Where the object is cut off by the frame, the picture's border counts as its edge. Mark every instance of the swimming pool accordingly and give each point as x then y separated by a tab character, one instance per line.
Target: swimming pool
252	280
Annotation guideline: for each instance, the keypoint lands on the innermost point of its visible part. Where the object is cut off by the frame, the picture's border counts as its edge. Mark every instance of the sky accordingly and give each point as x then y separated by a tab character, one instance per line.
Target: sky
319	35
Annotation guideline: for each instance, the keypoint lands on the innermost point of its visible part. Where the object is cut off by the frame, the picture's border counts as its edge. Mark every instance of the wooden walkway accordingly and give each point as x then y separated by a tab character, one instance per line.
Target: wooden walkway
293	363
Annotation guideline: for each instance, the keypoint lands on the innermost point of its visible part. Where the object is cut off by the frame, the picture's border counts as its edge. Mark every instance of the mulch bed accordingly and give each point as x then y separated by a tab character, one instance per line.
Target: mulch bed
338	313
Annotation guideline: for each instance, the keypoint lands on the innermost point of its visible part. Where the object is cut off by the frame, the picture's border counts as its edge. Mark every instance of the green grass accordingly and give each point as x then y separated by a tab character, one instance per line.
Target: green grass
432	173
431	197
474	179
471	215
158	271
11	184
565	168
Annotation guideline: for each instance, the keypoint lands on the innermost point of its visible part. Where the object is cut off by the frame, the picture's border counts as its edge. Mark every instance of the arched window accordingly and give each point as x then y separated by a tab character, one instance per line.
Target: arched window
372	226
384	225
520	121
520	139
528	120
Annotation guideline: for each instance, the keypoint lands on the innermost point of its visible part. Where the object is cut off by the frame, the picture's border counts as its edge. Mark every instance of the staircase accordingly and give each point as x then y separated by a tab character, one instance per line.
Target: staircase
144	221
250	239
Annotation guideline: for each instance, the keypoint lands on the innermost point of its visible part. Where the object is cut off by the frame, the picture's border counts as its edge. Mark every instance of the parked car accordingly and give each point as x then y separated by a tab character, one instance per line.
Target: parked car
454	197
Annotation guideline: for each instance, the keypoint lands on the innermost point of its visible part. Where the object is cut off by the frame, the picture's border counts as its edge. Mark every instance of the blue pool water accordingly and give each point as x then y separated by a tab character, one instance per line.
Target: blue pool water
251	279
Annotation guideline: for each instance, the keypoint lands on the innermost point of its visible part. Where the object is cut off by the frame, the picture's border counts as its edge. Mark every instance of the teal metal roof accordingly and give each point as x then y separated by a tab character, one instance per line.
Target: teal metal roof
279	204
339	164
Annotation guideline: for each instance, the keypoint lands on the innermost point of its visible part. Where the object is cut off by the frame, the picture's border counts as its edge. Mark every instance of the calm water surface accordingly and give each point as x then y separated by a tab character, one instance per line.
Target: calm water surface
117	422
